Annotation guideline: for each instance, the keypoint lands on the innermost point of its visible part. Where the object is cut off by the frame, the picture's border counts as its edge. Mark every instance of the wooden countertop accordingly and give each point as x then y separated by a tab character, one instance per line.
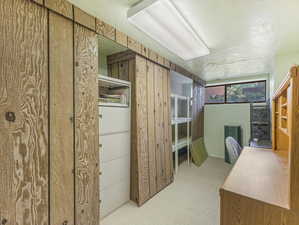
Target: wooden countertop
260	174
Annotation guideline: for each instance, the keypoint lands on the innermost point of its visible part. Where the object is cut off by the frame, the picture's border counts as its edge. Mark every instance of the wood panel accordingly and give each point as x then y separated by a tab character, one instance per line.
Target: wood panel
86	127
39	1
62	7
134	45
141	129
151	127
160	151
167	127
84	18
152	55
121	38
105	29
24	113
61	122
143	51
124	70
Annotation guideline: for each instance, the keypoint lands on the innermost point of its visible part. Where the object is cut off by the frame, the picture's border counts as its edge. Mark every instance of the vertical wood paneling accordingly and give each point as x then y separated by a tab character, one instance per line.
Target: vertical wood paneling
86	125
105	29
62	7
167	127
84	18
134	45
159	116
121	38
151	127
141	129
61	125
124	70
23	113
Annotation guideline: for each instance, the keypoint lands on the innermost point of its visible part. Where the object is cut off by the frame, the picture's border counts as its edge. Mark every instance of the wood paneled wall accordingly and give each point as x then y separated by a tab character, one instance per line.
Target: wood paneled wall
61	119
152	141
24	110
86	127
48	103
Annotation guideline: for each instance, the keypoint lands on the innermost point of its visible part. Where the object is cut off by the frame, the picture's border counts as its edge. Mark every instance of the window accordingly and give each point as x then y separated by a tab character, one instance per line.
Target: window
215	94
237	93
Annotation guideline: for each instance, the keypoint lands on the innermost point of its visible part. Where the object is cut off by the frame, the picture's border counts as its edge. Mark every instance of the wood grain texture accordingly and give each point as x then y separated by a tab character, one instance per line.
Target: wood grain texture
124	70
151	127
24	93
62	7
134	45
41	2
268	178
152	55
105	29
121	38
166	63
86	127
159	124
84	19
141	129
61	128
143	50
167	127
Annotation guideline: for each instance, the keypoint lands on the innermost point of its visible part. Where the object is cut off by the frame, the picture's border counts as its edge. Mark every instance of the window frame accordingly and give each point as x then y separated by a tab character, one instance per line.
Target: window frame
230	84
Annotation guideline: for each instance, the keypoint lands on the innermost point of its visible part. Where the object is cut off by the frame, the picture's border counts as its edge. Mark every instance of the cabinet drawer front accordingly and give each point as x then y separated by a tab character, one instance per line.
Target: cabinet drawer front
114	197
113	120
115	172
114	146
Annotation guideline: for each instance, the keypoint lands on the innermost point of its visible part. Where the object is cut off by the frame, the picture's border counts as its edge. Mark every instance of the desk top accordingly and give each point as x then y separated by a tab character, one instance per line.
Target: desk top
260	174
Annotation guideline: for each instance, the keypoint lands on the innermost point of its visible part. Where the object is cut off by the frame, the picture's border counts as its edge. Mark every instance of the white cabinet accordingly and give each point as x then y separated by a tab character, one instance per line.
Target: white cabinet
115	154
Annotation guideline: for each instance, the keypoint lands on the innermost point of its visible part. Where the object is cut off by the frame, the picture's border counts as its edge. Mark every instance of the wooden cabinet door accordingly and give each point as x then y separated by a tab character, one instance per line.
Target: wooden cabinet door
23	113
86	127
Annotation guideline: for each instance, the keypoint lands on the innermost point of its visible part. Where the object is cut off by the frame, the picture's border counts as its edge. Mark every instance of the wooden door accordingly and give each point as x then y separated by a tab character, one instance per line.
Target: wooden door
168	162
159	128
151	127
61	120
23	113
86	127
141	130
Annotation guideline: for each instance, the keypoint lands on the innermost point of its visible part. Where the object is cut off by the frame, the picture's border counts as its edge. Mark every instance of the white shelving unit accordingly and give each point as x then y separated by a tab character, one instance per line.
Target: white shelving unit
177	119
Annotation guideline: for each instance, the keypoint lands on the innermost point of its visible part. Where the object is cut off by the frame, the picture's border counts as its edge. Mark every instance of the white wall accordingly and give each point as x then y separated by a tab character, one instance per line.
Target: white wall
216	117
281	67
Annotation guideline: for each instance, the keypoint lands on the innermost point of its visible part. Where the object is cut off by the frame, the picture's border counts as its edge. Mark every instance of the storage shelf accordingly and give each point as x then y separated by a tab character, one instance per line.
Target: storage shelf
284	105
284	117
113	104
179	97
284	130
181	120
183	142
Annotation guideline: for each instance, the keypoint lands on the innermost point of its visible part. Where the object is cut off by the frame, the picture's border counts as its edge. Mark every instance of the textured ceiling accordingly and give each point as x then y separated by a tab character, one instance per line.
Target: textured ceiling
242	35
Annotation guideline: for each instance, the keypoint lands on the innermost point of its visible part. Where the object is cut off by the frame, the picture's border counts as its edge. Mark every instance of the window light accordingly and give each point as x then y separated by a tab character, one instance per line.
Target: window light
161	20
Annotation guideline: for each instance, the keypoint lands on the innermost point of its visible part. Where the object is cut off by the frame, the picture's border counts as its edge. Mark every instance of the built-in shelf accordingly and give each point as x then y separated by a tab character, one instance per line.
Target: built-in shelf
284	105
181	120
284	117
183	142
284	130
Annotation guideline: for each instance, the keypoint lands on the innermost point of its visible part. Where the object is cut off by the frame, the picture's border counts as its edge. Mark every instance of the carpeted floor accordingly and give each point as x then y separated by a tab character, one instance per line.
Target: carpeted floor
193	199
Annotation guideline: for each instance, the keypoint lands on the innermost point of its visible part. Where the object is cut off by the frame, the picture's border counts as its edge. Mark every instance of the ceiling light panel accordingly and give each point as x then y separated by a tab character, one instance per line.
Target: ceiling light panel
162	21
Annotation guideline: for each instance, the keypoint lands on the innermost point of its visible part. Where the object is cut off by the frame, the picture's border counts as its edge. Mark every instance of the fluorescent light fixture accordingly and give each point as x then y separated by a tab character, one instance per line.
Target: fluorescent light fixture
162	21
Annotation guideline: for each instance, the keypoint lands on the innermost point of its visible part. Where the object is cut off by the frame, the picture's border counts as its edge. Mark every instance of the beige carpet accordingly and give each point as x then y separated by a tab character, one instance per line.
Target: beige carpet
193	199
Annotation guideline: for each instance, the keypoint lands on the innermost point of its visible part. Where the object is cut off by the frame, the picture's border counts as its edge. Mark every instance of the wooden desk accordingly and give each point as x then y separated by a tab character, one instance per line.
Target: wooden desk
262	175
